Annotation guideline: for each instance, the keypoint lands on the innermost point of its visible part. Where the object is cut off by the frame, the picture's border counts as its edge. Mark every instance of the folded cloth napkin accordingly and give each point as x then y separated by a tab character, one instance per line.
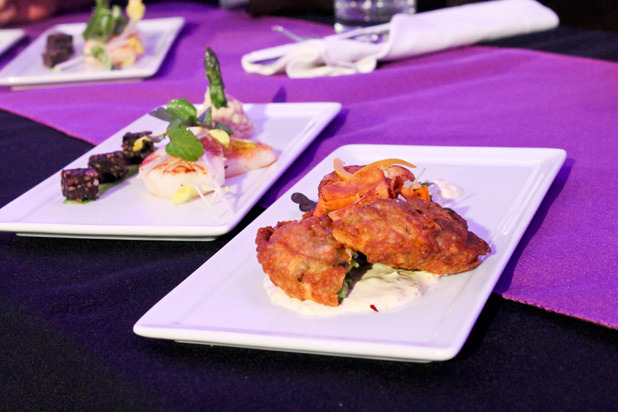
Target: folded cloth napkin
407	36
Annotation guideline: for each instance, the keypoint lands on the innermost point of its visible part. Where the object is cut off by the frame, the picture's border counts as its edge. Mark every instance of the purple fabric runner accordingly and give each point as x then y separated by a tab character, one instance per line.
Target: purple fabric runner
475	96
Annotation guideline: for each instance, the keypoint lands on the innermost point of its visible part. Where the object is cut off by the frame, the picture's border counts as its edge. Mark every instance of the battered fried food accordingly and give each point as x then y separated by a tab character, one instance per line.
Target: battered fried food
412	234
303	259
362	187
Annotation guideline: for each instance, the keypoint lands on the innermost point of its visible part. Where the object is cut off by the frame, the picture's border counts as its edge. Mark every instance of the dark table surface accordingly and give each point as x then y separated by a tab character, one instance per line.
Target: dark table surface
67	308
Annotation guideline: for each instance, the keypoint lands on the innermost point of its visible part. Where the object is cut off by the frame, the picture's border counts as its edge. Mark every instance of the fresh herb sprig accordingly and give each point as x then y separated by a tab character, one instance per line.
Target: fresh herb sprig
105	22
182	115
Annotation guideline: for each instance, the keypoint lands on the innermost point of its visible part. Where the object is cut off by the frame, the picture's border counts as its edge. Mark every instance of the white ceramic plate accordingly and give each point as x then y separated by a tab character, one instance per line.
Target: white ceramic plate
8	37
27	69
224	302
128	211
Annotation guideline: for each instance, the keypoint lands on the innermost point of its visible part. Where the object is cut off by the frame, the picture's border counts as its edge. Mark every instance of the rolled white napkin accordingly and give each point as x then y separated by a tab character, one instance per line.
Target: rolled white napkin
408	35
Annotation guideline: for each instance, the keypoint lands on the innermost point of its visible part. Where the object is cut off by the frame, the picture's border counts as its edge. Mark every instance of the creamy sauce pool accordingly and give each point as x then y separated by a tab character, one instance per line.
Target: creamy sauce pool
443	191
381	287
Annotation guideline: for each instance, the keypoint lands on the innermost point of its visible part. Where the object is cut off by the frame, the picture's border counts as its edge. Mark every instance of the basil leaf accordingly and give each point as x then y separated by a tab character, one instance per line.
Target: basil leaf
184	144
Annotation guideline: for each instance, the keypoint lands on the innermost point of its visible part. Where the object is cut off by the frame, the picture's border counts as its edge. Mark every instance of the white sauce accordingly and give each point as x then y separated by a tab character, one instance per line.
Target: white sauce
443	191
381	286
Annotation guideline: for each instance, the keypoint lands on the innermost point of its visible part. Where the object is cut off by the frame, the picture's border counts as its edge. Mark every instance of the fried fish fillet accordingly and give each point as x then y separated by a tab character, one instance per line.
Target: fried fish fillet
412	234
303	259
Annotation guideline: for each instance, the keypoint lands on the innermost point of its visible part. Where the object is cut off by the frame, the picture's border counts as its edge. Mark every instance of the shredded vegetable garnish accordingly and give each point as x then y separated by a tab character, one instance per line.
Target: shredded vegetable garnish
338	165
385	163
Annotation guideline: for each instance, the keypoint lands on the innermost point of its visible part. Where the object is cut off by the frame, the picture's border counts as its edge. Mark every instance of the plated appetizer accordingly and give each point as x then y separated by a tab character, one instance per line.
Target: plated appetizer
197	153
371	224
112	39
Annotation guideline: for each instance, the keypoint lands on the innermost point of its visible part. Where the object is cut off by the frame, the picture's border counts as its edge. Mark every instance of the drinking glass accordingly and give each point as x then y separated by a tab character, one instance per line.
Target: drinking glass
352	14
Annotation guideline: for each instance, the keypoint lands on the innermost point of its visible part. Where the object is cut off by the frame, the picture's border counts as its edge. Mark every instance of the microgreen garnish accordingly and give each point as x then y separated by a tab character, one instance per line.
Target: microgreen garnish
105	22
349	277
184	144
181	114
98	52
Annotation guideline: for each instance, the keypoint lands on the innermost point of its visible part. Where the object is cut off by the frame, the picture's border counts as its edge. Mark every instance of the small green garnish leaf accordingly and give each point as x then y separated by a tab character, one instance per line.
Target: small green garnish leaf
104	22
184	144
181	114
349	278
183	110
98	53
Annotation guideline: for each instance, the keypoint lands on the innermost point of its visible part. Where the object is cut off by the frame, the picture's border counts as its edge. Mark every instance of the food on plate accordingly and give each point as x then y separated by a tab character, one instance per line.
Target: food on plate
377	214
58	48
113	39
348	185
80	184
412	234
105	169
136	146
242	156
304	259
163	174
223	107
202	152
109	166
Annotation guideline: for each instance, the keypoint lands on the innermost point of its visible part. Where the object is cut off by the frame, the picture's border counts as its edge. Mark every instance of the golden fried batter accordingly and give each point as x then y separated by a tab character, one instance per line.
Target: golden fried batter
412	234
335	193
303	258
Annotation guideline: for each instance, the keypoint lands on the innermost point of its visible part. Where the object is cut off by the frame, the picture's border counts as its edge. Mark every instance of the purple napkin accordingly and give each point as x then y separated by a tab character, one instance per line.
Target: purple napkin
474	96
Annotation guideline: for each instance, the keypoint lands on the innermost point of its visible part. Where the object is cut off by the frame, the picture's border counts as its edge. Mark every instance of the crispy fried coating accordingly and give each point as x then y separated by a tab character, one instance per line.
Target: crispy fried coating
412	234
335	193
303	258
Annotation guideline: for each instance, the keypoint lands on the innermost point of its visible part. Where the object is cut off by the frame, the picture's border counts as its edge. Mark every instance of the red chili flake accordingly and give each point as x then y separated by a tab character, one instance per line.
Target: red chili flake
374	307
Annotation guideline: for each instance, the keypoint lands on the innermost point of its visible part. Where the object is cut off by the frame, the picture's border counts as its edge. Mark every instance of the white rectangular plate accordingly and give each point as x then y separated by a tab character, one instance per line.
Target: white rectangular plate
224	302
127	211
27	69
8	37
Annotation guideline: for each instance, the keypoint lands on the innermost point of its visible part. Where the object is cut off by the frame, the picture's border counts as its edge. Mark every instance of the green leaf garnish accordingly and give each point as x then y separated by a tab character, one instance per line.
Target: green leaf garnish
184	144
180	115
98	53
349	278
105	22
183	110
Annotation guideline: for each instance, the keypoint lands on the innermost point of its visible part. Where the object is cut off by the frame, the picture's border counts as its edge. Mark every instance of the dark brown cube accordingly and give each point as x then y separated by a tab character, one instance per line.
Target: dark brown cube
59	48
80	184
109	166
136	156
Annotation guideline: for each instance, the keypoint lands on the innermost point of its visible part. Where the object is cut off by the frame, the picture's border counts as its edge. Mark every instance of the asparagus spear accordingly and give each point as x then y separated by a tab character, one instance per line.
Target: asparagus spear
213	74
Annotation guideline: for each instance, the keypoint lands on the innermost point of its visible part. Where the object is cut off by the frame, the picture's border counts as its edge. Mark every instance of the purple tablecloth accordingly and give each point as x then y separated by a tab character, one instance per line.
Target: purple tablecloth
475	96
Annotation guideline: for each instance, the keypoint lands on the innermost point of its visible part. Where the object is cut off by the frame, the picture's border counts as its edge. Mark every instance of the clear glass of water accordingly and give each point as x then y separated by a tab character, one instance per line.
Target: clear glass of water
352	14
